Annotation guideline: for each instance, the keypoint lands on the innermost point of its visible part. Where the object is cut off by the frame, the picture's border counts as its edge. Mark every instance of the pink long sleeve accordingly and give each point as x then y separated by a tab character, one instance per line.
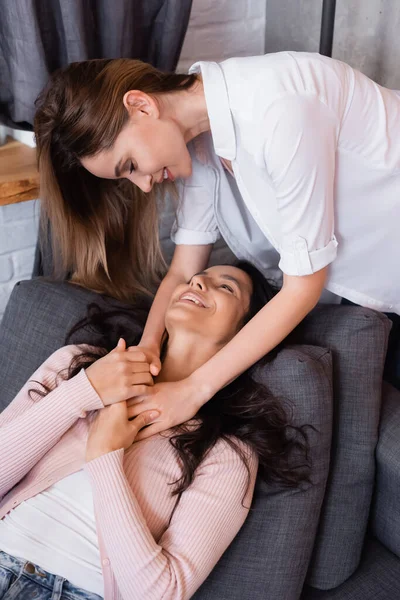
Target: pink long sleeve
207	518
29	428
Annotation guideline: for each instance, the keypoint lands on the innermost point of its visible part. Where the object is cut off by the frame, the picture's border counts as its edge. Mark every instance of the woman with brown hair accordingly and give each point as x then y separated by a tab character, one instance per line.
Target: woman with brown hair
301	148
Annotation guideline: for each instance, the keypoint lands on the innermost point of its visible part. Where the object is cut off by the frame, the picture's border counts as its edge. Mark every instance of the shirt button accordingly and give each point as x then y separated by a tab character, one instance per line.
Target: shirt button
82	415
106	562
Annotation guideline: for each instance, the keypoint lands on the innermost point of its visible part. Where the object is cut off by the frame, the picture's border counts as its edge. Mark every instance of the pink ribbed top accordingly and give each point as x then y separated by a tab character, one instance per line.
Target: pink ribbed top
148	549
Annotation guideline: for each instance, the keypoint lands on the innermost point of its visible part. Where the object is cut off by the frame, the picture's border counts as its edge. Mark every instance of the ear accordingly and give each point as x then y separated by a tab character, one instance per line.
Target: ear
138	104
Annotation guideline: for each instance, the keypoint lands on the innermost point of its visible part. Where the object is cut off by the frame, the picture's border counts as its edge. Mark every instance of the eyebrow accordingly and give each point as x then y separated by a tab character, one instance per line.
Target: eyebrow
222	276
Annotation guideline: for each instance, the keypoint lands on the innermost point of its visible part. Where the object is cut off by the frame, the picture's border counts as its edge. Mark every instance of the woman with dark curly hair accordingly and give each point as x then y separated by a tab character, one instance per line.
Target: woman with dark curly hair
89	512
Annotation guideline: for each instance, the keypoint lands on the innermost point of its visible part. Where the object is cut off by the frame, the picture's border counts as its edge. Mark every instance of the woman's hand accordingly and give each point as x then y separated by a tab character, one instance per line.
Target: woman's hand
152	352
120	374
111	429
176	402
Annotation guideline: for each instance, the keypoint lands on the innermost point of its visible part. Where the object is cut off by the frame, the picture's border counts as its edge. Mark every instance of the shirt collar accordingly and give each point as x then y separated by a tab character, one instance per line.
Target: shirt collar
219	111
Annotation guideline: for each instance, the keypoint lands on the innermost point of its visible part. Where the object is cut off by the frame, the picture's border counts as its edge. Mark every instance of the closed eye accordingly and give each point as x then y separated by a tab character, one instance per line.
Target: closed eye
227	287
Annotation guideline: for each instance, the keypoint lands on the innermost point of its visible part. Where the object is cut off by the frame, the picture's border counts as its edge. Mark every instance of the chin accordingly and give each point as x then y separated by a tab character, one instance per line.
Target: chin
186	170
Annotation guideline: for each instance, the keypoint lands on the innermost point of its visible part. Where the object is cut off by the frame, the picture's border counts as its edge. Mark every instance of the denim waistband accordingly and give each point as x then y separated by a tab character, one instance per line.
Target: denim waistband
48	580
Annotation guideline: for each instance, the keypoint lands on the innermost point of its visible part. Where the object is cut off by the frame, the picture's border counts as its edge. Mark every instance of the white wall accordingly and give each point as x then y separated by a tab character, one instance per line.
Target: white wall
217	29
366	34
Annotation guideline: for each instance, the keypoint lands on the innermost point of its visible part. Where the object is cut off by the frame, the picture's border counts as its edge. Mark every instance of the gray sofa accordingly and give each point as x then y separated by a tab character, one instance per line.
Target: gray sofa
338	538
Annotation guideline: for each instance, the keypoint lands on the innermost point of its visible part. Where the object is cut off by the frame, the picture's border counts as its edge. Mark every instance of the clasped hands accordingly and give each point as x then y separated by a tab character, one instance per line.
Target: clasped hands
123	379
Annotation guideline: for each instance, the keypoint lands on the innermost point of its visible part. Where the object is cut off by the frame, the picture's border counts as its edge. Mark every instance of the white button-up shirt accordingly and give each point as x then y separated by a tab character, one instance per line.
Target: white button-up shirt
315	151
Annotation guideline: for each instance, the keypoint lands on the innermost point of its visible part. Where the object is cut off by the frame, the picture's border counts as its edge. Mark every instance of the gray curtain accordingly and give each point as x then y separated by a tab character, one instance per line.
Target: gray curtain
39	36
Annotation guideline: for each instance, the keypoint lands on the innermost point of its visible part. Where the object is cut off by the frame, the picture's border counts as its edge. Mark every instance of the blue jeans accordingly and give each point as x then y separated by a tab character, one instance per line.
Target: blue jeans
20	580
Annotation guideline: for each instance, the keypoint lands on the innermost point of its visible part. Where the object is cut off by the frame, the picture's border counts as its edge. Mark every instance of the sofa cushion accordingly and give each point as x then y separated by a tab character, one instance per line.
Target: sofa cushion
268	559
377	578
357	338
35	323
385	519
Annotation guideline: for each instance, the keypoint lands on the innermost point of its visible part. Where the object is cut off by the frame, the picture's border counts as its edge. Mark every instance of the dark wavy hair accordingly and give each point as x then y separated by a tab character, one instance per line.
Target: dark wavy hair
243	410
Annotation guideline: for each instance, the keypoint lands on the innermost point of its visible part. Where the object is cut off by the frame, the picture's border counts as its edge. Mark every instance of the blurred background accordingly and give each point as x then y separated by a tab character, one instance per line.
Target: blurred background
366	36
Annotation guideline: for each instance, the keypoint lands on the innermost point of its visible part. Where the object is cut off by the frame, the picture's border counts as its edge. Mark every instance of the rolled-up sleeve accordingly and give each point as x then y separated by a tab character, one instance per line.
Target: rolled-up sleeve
301	140
195	222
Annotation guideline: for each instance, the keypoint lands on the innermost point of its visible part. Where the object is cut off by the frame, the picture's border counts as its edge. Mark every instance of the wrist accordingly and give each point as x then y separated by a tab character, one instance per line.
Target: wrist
151	343
201	389
96	453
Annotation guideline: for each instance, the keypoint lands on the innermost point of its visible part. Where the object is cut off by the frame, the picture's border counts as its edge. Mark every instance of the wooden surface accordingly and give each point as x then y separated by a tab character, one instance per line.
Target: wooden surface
19	179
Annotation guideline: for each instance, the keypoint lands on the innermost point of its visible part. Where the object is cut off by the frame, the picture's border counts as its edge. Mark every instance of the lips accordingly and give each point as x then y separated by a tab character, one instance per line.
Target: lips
170	176
193	298
166	175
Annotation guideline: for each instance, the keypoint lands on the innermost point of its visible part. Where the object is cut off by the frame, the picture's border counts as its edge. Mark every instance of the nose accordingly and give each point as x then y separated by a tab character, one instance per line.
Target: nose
198	281
145	183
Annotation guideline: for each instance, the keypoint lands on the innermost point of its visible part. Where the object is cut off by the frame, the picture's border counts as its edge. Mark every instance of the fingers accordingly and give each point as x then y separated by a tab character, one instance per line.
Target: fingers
155	366
136	400
144	419
152	358
120	347
132	357
125	369
140	390
139	367
157	427
139	408
141	379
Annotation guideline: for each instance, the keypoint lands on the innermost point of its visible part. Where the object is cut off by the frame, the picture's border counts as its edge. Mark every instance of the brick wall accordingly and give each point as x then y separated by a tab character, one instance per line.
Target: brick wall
18	232
217	30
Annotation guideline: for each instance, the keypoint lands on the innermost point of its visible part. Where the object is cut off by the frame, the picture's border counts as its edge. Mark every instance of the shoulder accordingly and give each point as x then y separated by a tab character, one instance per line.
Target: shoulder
224	469
233	456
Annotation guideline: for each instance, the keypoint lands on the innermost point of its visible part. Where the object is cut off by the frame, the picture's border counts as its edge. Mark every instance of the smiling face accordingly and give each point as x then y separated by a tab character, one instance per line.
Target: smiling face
150	148
213	304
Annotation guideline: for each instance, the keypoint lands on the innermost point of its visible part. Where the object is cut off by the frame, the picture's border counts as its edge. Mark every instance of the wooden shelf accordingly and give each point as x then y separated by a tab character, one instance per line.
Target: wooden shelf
19	179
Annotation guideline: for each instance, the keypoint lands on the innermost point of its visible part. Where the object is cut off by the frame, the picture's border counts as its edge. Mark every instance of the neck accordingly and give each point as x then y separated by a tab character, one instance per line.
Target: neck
189	110
185	353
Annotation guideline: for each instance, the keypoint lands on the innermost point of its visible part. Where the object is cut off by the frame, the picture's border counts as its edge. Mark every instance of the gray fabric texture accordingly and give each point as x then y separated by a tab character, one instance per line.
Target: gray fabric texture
377	578
269	557
39	37
271	554
385	518
357	338
36	320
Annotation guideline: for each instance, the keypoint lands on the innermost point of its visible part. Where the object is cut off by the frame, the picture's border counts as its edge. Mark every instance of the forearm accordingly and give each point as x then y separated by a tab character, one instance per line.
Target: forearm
207	517
187	261
28	436
155	324
263	333
141	568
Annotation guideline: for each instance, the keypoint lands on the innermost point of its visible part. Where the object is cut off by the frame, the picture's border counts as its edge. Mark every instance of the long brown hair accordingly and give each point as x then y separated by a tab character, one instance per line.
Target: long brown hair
104	232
